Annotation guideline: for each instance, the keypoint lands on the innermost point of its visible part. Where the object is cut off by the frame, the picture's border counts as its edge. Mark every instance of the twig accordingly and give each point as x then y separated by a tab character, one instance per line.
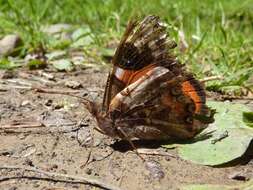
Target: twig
154	152
9	87
21	124
56	177
18	82
40	132
50	91
36	78
206	79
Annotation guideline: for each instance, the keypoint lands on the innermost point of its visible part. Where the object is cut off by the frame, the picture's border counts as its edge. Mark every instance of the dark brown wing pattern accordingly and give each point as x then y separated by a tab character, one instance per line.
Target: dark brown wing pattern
143	44
155	107
148	93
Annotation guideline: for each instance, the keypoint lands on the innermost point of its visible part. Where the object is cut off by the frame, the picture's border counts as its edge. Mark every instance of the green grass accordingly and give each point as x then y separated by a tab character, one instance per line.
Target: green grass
219	33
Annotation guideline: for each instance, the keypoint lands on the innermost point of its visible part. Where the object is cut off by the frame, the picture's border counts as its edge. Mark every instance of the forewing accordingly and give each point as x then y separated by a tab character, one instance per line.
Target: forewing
143	44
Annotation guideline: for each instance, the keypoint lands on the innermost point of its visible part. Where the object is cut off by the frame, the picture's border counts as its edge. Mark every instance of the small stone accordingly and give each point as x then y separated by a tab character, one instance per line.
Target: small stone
57	28
10	44
155	169
73	84
39	154
25	103
59	31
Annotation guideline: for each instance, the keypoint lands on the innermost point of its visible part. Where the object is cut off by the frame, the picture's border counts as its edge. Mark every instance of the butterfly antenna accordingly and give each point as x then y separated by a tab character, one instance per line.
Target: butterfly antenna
89	105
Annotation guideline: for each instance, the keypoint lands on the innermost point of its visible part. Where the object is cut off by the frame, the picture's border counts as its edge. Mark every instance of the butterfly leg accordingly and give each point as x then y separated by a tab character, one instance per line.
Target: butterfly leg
131	143
107	93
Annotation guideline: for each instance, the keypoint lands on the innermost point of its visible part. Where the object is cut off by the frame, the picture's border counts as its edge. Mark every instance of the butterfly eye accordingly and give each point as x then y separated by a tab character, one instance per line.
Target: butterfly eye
189	120
175	91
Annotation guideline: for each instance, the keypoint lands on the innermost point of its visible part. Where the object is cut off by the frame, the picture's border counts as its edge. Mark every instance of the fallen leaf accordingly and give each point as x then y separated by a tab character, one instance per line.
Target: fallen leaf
228	137
228	149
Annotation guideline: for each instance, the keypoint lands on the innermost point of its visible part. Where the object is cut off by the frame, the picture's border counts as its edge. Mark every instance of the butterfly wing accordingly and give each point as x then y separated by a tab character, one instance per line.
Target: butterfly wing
147	43
156	107
143	46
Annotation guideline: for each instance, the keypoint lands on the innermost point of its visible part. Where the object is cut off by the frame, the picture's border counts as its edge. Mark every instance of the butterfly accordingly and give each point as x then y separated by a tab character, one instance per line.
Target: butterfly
149	94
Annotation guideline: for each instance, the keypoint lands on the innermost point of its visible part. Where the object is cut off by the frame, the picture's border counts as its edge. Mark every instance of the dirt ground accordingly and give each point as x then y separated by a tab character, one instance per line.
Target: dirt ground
63	141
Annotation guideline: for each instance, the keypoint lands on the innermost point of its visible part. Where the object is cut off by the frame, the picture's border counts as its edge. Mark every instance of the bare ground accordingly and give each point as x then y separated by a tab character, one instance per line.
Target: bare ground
65	145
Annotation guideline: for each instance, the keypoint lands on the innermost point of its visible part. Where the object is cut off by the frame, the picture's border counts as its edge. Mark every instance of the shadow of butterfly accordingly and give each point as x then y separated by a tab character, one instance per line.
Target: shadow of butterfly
148	94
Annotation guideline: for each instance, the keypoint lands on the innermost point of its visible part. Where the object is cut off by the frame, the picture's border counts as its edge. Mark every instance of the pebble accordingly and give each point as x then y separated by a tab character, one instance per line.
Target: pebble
9	45
73	84
155	169
57	28
25	102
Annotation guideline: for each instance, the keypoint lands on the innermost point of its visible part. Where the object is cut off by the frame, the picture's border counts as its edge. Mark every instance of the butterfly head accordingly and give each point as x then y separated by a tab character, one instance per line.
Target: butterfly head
107	125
